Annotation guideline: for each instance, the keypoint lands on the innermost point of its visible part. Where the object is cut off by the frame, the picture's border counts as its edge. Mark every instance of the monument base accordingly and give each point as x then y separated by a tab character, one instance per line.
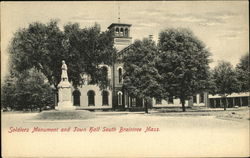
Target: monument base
65	101
65	105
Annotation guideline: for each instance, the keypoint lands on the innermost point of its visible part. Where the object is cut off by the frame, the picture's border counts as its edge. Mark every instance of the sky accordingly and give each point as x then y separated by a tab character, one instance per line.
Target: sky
222	25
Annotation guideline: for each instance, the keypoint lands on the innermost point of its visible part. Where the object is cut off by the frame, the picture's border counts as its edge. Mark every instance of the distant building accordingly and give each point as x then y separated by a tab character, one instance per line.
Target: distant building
200	99
235	99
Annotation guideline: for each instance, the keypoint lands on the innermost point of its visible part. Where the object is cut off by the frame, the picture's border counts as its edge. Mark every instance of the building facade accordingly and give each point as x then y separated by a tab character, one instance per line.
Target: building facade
232	100
91	97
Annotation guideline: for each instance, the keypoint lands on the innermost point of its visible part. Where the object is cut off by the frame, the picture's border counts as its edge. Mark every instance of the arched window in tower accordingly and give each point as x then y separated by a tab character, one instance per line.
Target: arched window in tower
105	72
105	98
126	32
91	98
76	97
121	32
120	75
119	98
117	31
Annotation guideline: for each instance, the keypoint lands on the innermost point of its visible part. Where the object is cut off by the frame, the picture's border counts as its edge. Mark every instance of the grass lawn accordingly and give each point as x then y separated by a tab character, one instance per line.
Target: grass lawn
230	113
64	115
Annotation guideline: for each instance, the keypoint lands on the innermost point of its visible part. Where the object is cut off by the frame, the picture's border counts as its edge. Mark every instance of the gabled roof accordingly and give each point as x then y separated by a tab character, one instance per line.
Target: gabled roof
126	48
121	52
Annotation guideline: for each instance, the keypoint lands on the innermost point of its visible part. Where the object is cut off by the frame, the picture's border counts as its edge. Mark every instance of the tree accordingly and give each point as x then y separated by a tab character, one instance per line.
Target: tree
86	49
141	78
182	63
8	92
242	71
38	46
26	90
44	46
225	79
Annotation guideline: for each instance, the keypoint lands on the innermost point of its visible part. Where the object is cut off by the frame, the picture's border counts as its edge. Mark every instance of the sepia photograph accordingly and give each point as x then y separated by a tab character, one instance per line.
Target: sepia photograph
125	79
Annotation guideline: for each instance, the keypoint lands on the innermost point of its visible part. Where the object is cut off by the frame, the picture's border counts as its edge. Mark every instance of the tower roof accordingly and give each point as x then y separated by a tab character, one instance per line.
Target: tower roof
118	24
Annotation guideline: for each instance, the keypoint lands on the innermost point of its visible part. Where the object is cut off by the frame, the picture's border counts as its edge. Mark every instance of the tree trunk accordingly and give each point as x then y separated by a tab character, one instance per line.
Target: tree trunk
225	104
183	105
146	106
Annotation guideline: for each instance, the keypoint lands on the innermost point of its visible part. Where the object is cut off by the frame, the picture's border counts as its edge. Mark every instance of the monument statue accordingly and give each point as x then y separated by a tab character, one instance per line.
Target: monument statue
64	76
64	91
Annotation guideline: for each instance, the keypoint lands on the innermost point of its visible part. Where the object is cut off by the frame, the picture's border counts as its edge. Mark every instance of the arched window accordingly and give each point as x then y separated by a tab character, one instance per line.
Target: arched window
105	97
170	100
133	102
119	98
121	32
194	99
91	98
126	32
201	98
158	101
139	102
105	72
76	97
117	31
120	75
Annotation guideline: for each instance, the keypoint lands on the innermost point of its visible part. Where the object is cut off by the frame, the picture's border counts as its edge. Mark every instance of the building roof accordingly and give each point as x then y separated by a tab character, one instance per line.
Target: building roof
118	24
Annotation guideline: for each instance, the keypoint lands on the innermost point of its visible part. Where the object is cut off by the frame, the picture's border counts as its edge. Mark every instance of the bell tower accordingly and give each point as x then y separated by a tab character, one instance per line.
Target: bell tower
122	39
121	33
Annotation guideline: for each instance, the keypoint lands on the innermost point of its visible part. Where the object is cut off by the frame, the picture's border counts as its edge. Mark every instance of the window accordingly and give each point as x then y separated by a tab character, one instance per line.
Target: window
105	72
91	98
105	98
201	98
117	31
76	97
133	102
120	75
126	32
194	99
158	101
119	98
170	100
139	102
121	32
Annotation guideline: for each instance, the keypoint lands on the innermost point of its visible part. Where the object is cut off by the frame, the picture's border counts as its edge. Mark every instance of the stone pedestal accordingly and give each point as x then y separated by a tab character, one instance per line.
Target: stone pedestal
64	92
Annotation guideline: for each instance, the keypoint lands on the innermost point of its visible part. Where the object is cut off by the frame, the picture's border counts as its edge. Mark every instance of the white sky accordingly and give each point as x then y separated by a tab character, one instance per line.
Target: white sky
222	26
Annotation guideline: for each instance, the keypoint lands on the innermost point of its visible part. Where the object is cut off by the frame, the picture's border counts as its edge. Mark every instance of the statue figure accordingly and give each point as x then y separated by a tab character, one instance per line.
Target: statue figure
64	91
64	76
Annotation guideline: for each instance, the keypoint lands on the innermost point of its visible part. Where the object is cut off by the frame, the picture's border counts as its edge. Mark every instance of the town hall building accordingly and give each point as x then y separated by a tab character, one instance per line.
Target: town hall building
90	97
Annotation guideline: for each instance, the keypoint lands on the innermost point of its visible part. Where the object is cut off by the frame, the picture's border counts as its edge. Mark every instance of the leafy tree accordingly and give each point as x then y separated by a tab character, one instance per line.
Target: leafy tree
44	46
86	49
183	64
39	46
242	70
225	79
141	78
8	92
26	90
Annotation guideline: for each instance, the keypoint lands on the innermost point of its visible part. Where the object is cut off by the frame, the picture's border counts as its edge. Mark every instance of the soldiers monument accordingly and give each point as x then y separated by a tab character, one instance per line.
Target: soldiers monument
64	91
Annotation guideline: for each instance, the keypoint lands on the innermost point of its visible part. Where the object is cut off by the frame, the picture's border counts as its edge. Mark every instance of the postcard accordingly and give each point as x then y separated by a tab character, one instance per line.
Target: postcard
125	79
